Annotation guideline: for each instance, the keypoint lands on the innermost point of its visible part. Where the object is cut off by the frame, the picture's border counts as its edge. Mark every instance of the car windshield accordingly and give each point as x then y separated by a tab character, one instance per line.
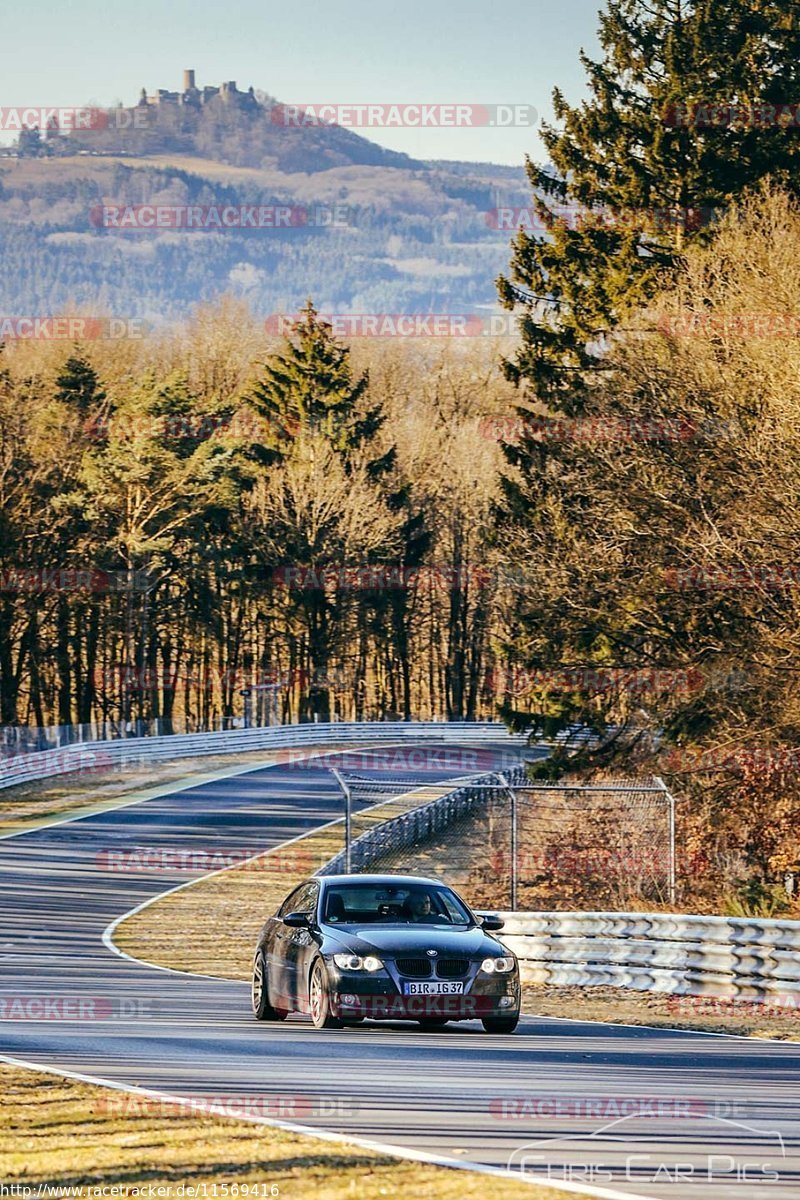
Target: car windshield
387	904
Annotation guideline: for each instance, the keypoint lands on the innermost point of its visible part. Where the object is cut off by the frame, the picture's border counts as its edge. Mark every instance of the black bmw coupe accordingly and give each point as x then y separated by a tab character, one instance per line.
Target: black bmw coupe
384	947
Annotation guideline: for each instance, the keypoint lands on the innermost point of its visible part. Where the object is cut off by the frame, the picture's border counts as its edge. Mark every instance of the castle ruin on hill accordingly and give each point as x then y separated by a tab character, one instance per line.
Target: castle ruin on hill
192	96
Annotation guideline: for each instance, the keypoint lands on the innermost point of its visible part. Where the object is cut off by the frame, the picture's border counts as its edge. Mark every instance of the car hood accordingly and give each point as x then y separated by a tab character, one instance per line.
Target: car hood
413	940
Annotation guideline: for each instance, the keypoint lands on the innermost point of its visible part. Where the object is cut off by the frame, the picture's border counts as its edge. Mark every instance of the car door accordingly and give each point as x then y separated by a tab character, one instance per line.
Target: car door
278	950
306	944
298	944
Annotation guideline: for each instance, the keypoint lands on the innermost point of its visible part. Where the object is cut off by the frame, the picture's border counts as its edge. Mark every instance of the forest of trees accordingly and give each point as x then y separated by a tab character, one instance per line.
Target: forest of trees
403	240
206	478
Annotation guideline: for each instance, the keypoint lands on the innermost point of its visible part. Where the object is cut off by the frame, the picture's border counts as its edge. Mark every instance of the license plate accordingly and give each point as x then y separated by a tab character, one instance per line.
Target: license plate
433	989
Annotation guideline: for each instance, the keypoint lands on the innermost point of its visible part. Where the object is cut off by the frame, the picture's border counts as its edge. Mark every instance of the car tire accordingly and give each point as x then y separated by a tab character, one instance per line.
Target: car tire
262	1009
319	999
500	1024
433	1022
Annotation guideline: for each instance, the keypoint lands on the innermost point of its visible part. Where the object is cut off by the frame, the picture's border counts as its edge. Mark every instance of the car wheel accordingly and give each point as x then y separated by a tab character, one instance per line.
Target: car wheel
500	1024
262	1009
319	999
433	1022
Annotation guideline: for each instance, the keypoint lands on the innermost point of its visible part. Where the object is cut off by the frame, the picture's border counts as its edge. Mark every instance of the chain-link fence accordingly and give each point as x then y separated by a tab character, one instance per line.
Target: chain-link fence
506	841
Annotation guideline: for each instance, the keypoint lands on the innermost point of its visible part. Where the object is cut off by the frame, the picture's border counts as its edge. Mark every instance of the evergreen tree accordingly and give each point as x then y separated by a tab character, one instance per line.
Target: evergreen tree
320	439
677	125
309	388
78	385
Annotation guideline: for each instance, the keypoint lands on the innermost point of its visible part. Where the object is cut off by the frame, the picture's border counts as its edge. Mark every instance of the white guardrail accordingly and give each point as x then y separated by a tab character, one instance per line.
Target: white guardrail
98	756
658	952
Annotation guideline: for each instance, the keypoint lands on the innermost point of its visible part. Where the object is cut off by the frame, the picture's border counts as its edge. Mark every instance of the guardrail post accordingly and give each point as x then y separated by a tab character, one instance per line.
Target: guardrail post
348	818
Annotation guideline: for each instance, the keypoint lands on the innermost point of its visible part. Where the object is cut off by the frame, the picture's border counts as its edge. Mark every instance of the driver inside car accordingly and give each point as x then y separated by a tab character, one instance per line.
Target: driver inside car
418	907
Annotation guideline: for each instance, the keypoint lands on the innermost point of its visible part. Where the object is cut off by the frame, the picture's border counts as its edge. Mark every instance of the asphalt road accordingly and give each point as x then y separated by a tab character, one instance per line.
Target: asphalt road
622	1109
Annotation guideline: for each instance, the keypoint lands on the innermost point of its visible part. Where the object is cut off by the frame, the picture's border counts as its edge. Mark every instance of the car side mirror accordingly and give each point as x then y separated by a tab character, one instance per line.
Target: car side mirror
296	920
492	923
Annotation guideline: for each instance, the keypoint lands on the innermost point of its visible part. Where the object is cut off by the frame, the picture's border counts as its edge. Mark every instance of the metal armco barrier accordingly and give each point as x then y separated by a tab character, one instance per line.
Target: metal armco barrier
411	828
87	757
747	957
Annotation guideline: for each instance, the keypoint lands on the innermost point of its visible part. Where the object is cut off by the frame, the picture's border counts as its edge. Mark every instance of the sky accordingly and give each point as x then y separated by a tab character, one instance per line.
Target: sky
508	52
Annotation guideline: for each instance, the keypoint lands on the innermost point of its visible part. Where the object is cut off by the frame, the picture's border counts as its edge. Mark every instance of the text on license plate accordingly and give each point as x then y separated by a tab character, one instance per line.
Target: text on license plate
433	989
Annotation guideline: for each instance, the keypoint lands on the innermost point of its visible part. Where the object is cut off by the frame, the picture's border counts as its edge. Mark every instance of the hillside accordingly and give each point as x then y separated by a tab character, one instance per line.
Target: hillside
404	236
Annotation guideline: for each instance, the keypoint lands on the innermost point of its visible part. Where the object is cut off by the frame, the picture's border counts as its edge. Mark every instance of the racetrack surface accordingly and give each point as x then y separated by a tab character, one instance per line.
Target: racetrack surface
632	1110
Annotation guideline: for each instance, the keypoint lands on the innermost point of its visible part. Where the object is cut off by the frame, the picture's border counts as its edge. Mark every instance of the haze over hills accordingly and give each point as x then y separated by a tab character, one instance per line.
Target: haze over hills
392	234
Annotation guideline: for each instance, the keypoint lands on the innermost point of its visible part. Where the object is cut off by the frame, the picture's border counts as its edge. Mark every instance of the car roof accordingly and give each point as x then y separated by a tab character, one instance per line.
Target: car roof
383	880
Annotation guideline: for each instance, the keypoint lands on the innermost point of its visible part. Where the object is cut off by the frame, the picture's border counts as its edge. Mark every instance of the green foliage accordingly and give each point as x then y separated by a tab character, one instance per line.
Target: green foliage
309	389
754	898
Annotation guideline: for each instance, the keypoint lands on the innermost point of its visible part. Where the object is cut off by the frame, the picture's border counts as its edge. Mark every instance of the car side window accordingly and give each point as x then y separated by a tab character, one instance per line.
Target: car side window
304	900
290	904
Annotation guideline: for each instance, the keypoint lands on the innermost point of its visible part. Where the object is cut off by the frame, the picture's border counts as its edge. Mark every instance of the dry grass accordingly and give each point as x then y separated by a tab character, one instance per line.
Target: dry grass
70	1134
710	1014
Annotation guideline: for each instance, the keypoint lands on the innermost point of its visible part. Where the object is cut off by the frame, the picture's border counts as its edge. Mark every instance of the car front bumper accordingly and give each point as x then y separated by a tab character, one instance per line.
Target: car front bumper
377	997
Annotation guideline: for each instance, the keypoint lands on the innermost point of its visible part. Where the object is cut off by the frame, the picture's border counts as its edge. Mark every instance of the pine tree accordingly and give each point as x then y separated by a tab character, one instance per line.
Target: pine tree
319	438
674	131
644	165
78	385
310	388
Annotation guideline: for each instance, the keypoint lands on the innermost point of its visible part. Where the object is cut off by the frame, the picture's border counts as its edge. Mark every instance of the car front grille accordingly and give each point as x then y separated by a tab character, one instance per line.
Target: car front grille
417	968
452	968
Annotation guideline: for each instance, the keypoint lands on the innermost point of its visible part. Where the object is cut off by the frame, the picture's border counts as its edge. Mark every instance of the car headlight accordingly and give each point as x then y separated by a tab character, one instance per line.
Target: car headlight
499	966
352	962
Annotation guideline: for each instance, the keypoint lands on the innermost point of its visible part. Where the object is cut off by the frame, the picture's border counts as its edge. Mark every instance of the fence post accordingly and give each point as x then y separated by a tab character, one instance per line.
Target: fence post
512	792
348	812
673	865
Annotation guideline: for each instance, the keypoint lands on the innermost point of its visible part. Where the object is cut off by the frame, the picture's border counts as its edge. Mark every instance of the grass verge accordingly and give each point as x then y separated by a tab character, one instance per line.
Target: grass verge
710	1014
